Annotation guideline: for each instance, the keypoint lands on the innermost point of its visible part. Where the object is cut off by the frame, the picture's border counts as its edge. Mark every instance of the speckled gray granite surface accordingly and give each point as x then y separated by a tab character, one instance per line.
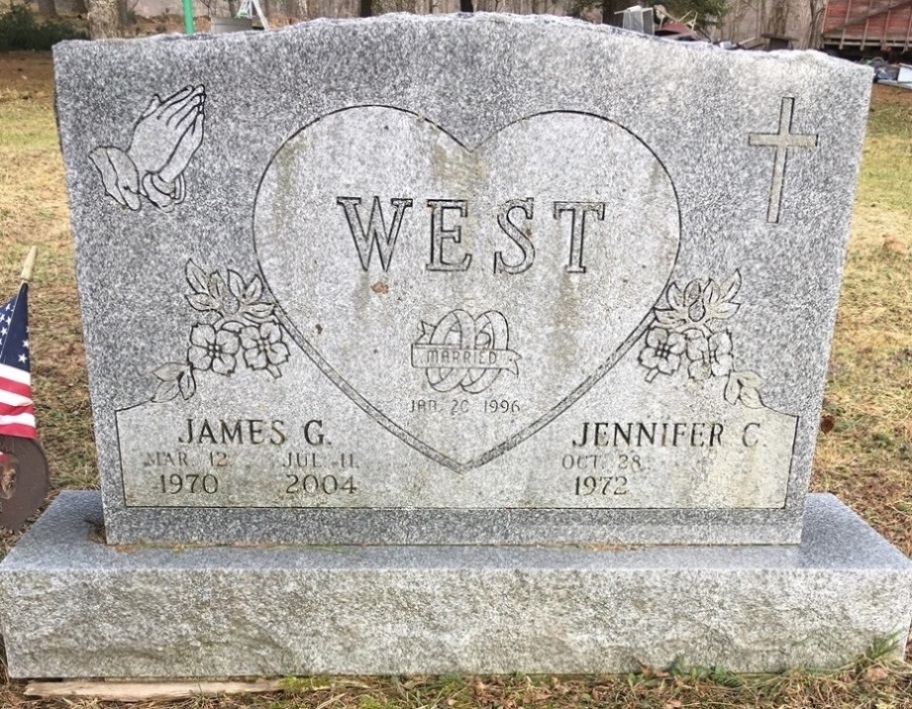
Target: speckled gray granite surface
424	280
77	608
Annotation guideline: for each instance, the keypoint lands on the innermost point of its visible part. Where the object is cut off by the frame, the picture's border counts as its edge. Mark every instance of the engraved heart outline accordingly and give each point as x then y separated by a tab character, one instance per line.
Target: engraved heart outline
548	416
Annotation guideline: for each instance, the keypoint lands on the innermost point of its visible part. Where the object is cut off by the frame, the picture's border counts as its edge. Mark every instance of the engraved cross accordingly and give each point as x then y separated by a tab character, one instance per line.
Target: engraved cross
781	141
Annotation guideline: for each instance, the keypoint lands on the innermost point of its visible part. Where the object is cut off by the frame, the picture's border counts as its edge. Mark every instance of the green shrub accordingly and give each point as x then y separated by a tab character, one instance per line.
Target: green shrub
20	30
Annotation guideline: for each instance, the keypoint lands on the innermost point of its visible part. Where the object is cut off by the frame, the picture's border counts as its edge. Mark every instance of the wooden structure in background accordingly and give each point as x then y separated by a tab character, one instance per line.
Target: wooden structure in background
879	25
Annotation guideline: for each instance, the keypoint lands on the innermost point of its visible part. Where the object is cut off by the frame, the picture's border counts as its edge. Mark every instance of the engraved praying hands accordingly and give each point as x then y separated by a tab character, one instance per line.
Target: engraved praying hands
165	138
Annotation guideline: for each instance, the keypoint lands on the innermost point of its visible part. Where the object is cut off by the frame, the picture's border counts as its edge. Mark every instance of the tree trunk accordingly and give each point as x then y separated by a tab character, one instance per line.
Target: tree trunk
813	39
778	21
610	8
366	8
105	19
47	8
296	9
466	6
124	12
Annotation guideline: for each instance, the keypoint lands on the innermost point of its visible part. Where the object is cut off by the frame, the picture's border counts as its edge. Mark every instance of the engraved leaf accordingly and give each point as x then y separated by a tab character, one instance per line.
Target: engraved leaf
196	277
718	298
254	290
217	287
744	387
169	371
675	296
166	391
731	286
235	283
751	379
711	293
750	397
732	389
692	293
721	310
229	325
258	312
671	319
187	383
202	302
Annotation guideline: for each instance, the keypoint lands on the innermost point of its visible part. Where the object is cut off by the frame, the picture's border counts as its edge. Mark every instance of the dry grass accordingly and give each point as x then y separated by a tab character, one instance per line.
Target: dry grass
33	210
864	459
863	686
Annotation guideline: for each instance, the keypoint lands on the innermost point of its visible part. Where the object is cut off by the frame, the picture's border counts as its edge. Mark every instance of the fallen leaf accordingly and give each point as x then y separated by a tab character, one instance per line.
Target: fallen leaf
876	674
894	246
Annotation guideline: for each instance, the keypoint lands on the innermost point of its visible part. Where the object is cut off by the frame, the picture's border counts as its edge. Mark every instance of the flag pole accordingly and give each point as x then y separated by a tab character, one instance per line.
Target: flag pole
29	264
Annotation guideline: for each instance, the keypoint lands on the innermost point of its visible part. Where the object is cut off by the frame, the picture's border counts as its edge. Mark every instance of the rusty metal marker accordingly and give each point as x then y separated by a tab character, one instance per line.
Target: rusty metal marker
24	480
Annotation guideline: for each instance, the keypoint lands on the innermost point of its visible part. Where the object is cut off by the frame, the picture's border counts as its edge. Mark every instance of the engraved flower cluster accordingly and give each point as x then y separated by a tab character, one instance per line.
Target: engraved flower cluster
239	328
691	331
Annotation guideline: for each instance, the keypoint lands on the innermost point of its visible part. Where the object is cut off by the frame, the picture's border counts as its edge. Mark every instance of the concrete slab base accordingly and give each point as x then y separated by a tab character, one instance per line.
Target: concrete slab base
74	607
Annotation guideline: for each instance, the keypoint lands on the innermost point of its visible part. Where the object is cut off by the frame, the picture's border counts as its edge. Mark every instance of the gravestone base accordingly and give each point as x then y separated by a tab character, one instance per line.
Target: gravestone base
74	607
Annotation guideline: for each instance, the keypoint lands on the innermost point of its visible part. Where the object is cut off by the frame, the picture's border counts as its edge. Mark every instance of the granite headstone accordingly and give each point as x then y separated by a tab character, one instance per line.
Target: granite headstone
418	281
436	281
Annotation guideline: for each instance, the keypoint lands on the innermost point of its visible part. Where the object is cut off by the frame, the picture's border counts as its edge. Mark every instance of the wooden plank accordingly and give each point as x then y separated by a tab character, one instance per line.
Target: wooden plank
148	691
848	12
890	26
832	15
867	15
836	15
886	28
908	31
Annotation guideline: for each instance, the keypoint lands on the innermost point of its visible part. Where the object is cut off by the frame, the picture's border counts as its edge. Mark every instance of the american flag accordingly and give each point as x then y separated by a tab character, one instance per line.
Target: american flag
17	412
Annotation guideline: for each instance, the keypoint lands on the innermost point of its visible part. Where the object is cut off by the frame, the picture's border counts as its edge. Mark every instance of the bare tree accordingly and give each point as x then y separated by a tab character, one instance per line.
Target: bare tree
297	9
733	24
609	12
106	18
382	6
47	8
815	23
609	8
777	22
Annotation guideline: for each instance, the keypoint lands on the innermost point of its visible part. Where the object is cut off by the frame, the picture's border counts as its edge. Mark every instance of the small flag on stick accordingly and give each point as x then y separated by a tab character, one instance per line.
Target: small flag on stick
17	412
24	478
